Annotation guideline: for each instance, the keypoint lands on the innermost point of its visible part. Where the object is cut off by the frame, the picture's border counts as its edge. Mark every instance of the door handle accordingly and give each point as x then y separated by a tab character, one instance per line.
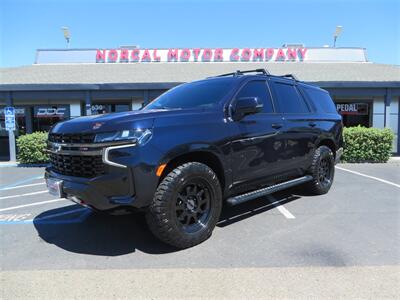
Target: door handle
312	124
276	125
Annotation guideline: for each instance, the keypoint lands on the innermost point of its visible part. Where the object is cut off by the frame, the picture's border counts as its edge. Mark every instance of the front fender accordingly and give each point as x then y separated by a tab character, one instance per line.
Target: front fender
191	148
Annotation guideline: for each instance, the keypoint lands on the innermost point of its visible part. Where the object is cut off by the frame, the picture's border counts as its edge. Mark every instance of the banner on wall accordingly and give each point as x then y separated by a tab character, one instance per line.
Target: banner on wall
352	108
61	112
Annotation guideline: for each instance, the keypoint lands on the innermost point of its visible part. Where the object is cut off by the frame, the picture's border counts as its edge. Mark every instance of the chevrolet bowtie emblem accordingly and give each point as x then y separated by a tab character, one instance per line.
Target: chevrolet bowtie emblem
56	147
97	125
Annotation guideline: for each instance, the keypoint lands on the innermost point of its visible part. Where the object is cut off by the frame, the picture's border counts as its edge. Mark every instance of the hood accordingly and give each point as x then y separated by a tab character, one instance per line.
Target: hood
111	122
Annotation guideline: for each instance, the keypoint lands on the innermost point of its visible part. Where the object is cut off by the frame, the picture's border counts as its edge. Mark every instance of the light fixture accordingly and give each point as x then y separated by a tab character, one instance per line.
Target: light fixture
338	31
67	34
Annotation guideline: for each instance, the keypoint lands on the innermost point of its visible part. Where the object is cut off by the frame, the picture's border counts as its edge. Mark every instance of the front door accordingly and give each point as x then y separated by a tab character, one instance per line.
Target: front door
258	141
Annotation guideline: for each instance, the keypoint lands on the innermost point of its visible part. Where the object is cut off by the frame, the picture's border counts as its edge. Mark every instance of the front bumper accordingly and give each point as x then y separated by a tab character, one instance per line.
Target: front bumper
105	192
105	176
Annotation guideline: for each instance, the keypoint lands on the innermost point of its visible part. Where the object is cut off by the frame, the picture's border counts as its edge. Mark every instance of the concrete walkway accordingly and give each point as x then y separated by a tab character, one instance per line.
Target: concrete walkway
237	283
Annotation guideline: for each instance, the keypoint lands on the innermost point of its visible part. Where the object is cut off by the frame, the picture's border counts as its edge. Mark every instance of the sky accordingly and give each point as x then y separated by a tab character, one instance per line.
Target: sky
33	24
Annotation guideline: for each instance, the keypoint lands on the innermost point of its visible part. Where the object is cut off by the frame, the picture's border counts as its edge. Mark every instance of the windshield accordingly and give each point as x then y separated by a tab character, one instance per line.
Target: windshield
204	93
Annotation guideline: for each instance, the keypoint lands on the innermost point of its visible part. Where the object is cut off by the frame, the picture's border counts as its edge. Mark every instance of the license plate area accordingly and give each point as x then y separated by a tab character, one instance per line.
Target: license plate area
55	187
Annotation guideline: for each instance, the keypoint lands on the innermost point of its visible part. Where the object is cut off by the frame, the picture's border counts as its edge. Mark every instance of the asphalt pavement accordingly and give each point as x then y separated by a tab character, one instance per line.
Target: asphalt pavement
290	244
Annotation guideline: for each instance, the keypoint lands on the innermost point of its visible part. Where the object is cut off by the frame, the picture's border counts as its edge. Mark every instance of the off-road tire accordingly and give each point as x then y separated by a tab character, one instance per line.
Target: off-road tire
323	158
162	216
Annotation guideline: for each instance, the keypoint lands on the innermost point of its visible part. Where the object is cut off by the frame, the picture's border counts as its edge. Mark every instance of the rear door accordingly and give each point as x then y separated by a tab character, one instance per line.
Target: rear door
301	127
328	119
258	142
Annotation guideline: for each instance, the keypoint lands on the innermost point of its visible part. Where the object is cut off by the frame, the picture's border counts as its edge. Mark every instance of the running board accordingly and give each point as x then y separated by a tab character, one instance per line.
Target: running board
267	190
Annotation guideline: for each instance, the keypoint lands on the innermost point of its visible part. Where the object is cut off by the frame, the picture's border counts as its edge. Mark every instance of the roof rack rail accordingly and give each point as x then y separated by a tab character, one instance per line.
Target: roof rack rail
238	72
290	76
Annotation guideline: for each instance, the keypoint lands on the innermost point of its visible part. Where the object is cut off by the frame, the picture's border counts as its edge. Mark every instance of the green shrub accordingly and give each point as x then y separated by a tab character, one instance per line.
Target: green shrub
32	148
363	144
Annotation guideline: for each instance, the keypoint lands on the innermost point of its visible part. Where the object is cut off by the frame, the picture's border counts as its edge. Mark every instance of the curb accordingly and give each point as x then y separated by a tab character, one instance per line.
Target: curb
394	159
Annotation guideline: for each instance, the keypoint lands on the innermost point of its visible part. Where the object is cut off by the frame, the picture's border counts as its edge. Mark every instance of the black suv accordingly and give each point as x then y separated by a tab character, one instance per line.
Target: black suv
229	138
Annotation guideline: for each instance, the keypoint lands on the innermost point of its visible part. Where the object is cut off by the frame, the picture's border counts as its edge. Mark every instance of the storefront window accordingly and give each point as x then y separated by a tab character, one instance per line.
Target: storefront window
98	109
354	113
45	116
121	107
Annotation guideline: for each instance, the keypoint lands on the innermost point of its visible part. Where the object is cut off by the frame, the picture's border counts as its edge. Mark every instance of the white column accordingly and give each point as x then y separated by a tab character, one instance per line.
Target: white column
136	104
378	117
392	119
75	109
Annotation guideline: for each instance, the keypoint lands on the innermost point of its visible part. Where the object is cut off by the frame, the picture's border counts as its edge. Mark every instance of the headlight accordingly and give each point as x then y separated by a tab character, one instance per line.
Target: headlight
141	136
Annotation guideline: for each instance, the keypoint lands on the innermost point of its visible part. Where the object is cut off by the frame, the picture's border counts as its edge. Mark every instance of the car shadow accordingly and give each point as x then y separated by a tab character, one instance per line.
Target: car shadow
80	230
98	234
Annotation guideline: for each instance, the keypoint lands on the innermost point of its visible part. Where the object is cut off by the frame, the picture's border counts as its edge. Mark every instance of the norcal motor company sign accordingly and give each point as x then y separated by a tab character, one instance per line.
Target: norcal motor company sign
200	55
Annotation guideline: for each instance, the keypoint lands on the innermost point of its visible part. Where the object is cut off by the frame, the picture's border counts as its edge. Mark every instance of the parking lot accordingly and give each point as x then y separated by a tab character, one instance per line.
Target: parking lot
345	243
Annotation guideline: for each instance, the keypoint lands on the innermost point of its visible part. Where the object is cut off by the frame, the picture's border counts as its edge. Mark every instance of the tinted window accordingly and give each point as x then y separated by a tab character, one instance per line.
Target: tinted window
321	100
289	99
204	93
257	89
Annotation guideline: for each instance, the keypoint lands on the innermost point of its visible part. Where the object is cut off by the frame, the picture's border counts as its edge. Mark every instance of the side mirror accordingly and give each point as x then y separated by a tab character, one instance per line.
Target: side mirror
245	106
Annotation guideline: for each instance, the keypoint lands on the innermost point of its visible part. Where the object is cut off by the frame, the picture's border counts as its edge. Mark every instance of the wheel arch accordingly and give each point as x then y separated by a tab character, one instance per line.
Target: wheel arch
206	157
329	143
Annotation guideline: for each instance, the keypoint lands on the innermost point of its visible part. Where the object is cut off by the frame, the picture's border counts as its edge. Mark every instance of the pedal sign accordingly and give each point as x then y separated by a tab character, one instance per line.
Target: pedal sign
9	114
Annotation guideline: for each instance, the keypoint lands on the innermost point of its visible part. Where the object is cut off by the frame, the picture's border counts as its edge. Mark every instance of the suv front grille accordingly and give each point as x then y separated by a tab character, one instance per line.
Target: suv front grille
72	138
76	165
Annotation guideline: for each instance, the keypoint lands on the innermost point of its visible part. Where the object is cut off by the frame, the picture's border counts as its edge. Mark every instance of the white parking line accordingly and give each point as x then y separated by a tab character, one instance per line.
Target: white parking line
285	212
32	204
22	186
368	176
22	195
281	208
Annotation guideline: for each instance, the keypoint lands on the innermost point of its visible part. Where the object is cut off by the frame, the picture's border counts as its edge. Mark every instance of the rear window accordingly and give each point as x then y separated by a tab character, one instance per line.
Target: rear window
205	93
289	99
321	99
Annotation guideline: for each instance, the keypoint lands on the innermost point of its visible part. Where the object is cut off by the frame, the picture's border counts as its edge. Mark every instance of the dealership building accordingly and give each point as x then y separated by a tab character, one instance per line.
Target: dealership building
68	83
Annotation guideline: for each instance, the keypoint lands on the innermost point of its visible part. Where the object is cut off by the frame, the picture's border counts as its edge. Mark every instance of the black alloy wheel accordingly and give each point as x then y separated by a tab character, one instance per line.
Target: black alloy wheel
322	170
325	171
186	206
193	205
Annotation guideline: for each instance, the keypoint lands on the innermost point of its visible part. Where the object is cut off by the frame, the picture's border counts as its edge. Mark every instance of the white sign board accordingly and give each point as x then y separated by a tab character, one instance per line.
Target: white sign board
201	55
